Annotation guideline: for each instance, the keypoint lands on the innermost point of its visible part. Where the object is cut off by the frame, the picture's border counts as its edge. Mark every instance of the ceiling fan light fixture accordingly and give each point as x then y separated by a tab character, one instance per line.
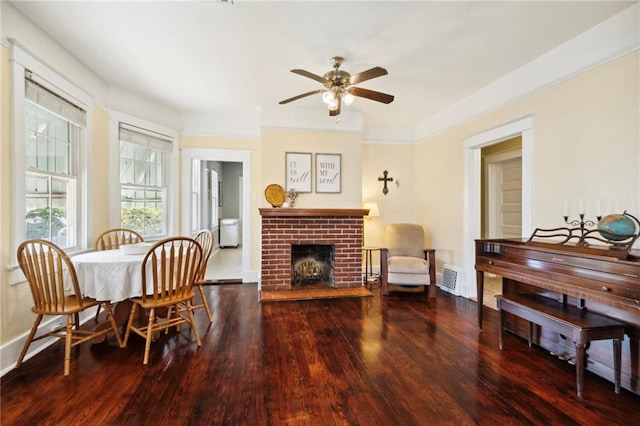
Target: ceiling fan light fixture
333	104
339	86
347	98
328	96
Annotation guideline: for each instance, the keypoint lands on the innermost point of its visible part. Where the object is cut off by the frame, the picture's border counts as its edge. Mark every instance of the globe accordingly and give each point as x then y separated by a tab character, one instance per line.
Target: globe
616	227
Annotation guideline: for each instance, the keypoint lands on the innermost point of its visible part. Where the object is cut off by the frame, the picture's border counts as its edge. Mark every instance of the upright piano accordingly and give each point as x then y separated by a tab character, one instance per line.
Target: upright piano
602	280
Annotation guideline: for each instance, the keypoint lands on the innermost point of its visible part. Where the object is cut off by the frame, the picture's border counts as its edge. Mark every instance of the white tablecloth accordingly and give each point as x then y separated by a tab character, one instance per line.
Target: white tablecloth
109	275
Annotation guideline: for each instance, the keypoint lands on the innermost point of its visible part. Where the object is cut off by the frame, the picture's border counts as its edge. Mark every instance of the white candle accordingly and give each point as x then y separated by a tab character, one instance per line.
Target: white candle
566	208
598	207
581	209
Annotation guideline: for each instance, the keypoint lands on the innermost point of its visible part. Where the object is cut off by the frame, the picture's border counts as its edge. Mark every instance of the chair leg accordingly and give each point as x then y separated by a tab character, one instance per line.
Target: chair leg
67	343
32	334
147	346
170	312
97	314
112	320
205	303
132	316
192	322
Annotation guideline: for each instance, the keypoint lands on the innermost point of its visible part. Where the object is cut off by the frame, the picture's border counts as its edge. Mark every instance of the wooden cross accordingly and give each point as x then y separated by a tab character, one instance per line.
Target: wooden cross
385	179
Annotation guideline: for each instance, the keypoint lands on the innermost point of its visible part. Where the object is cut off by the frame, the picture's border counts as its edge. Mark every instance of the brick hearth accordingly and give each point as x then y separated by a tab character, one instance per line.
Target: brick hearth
281	228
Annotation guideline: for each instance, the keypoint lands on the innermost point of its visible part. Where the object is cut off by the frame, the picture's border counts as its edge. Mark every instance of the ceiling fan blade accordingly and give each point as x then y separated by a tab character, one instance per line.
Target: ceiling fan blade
311	76
371	94
295	98
333	113
367	75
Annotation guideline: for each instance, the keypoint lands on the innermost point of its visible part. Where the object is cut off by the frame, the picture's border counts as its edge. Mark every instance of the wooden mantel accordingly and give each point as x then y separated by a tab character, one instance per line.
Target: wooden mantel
295	212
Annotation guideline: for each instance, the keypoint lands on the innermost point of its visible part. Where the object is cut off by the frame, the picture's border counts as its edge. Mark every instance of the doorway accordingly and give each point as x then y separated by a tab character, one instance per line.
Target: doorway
212	210
502	189
472	205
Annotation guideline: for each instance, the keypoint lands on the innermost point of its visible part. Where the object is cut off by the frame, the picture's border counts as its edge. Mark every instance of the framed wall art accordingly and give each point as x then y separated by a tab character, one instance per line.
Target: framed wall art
328	173
298	171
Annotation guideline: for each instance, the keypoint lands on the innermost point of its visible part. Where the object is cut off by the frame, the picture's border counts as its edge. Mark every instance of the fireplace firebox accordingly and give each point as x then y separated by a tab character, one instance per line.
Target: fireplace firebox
312	264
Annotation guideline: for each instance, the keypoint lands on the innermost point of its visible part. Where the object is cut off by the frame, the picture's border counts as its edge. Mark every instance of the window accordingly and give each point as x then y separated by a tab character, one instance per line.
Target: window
53	134
144	165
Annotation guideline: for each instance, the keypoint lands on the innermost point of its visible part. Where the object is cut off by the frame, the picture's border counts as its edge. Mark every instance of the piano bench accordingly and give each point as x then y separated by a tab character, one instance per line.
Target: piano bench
580	324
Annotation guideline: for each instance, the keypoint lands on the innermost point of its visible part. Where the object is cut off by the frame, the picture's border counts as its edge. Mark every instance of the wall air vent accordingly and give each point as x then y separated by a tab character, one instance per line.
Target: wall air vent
451	277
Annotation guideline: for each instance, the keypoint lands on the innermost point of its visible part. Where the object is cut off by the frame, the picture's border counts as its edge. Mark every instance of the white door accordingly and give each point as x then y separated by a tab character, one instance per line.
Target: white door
504	202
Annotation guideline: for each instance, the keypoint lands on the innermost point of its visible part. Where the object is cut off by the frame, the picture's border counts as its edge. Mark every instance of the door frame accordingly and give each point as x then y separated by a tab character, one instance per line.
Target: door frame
240	156
472	165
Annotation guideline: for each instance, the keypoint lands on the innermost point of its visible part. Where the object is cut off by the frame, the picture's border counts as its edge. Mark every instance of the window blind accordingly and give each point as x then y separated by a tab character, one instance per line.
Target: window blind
139	136
44	97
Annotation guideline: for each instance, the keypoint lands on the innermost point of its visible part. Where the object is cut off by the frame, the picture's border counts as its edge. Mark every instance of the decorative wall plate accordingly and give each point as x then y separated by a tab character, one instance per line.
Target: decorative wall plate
275	195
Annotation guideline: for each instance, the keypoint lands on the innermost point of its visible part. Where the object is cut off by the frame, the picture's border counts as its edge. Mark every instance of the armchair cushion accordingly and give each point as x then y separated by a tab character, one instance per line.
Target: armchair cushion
406	270
407	265
404	239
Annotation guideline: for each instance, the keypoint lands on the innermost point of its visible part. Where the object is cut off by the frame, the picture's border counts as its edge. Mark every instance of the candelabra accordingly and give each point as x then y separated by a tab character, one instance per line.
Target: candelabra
582	223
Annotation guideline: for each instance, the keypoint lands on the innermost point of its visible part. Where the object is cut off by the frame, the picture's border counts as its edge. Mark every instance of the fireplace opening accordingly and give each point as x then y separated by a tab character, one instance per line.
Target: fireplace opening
312	264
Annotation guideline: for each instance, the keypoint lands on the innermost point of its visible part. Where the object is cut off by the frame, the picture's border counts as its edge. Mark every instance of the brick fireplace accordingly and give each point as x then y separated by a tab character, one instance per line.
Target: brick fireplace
284	228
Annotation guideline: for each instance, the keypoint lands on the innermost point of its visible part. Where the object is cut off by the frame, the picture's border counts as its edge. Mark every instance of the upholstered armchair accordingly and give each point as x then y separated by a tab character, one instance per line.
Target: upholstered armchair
404	261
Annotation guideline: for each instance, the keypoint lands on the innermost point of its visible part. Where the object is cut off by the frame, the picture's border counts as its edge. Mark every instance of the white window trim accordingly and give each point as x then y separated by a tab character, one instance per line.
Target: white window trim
115	118
22	60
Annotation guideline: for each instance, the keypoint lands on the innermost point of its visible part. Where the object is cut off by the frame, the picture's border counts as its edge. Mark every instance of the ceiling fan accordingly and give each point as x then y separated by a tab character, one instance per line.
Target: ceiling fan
339	86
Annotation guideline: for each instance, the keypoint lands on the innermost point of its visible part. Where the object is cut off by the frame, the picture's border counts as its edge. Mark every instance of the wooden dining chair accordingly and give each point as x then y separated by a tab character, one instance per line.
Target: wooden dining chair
54	286
205	239
114	238
169	270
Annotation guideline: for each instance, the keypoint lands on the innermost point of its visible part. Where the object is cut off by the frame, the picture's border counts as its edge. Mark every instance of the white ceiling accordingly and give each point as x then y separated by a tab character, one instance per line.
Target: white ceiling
208	57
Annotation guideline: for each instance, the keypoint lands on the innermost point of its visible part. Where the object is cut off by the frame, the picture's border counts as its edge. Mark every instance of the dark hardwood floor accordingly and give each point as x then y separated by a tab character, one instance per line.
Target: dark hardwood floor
398	360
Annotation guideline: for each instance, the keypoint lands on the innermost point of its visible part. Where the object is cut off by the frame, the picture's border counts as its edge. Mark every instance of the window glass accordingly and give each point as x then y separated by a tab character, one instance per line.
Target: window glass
50	145
143	183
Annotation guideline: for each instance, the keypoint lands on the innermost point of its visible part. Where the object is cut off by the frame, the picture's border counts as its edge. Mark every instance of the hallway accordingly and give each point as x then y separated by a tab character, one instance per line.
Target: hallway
225	264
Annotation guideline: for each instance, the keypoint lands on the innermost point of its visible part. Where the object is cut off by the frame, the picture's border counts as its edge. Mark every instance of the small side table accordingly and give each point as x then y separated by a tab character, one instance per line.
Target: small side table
369	277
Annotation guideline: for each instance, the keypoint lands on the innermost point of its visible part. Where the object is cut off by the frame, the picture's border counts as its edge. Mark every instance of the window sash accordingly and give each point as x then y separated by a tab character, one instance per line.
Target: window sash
144	209
51	142
49	208
53	130
143	159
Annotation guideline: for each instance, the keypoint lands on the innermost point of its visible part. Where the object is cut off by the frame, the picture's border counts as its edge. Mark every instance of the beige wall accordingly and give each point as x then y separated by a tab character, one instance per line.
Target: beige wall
276	142
99	174
439	206
586	145
399	203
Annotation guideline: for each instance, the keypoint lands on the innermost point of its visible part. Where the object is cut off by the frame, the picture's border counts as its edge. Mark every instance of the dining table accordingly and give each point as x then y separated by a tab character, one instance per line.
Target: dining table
110	276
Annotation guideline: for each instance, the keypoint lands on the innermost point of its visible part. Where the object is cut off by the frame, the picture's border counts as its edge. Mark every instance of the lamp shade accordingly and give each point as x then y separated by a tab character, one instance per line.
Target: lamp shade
374	211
